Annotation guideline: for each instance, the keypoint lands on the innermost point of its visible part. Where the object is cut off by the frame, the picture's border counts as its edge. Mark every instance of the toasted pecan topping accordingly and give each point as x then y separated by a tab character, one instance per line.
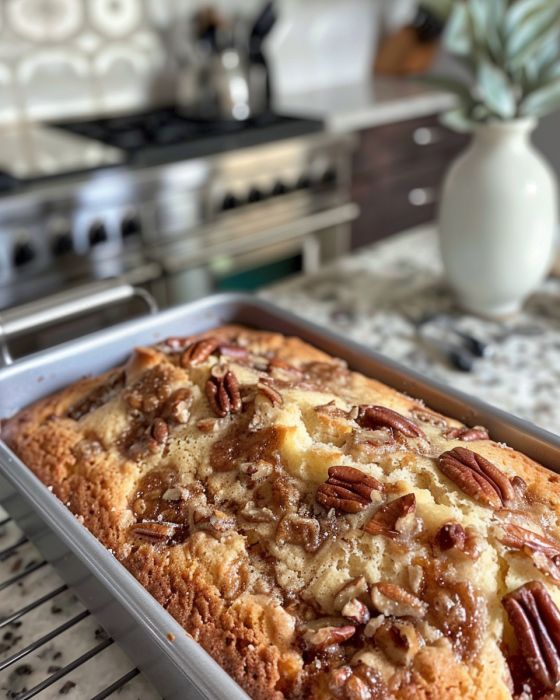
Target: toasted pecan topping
159	430
198	352
154	531
374	417
478	432
233	350
477	477
269	391
544	550
391	599
536	622
356	611
178	406
327	636
223	394
347	489
386	519
451	535
355	588
399	640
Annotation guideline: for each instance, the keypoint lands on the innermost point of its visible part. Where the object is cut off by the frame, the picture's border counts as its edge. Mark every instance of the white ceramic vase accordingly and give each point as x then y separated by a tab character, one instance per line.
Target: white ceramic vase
498	219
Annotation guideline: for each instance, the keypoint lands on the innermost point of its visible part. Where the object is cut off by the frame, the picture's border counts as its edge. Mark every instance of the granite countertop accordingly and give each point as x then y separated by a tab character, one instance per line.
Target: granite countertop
376	297
366	104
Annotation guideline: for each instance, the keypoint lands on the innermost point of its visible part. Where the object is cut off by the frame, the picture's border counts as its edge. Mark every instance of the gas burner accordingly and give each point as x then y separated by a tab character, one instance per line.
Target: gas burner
165	135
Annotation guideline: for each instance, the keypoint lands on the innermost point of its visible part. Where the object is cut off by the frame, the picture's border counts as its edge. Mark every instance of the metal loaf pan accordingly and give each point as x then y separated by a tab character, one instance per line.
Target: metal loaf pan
174	662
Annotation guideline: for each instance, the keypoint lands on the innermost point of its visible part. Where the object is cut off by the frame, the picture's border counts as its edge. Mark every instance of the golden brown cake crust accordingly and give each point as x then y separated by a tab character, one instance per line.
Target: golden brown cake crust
320	534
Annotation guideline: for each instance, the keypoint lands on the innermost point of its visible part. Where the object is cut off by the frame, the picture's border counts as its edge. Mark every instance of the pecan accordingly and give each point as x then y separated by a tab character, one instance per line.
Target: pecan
154	531
545	550
451	535
276	366
223	394
178	406
270	392
347	489
215	522
236	352
391	599
536	622
355	588
373	417
478	432
399	640
356	611
386	519
159	430
198	352
327	636
477	477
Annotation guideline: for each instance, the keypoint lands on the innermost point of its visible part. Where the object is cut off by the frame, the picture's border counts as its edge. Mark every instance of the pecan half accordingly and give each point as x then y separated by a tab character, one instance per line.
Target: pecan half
451	535
154	532
386	519
477	477
536	622
545	550
198	352
270	392
391	599
327	636
426	416
223	394
356	611
355	588
478	432
374	417
347	489
159	430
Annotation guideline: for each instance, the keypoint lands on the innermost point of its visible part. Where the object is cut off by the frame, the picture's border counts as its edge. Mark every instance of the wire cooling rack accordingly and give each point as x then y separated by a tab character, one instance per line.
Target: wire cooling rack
50	644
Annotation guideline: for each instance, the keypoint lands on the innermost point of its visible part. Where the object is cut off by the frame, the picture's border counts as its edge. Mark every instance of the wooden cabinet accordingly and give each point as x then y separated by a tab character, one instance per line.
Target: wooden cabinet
397	175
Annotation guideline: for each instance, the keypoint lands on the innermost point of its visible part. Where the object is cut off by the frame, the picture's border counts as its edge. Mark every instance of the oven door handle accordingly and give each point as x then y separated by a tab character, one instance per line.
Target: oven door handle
177	258
64	306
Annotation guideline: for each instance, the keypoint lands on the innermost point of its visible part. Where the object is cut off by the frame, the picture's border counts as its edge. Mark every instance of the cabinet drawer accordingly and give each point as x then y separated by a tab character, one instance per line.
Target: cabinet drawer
412	141
396	203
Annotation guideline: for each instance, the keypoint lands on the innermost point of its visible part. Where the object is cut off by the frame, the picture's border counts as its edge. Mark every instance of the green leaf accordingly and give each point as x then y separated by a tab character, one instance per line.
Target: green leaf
457	36
545	99
487	18
532	34
495	90
457	120
521	10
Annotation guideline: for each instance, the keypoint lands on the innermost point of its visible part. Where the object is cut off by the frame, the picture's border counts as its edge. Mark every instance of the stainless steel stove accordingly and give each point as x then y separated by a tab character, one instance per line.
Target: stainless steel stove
182	208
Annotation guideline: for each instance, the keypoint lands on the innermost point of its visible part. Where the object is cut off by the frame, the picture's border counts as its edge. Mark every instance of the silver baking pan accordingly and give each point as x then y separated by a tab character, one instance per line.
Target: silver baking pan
174	662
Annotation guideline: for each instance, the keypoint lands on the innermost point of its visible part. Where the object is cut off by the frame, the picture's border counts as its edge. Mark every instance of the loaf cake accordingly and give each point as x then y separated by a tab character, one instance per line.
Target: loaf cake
318	533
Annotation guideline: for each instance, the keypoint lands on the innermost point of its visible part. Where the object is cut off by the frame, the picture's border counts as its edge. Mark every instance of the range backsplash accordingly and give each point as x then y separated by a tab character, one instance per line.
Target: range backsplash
66	58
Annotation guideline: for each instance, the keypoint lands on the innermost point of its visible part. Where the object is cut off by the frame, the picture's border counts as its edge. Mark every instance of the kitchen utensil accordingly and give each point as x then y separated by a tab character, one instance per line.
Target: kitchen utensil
177	666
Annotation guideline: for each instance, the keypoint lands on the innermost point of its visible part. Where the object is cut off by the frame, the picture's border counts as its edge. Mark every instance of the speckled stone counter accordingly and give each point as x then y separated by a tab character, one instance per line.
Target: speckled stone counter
393	298
390	297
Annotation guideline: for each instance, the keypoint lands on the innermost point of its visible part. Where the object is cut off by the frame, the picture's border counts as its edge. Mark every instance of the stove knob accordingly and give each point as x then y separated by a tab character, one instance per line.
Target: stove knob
303	183
97	233
130	226
62	243
23	254
279	188
230	201
254	195
329	177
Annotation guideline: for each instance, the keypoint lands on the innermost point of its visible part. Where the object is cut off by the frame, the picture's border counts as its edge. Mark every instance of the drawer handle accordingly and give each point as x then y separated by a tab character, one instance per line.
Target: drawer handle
422	196
425	136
